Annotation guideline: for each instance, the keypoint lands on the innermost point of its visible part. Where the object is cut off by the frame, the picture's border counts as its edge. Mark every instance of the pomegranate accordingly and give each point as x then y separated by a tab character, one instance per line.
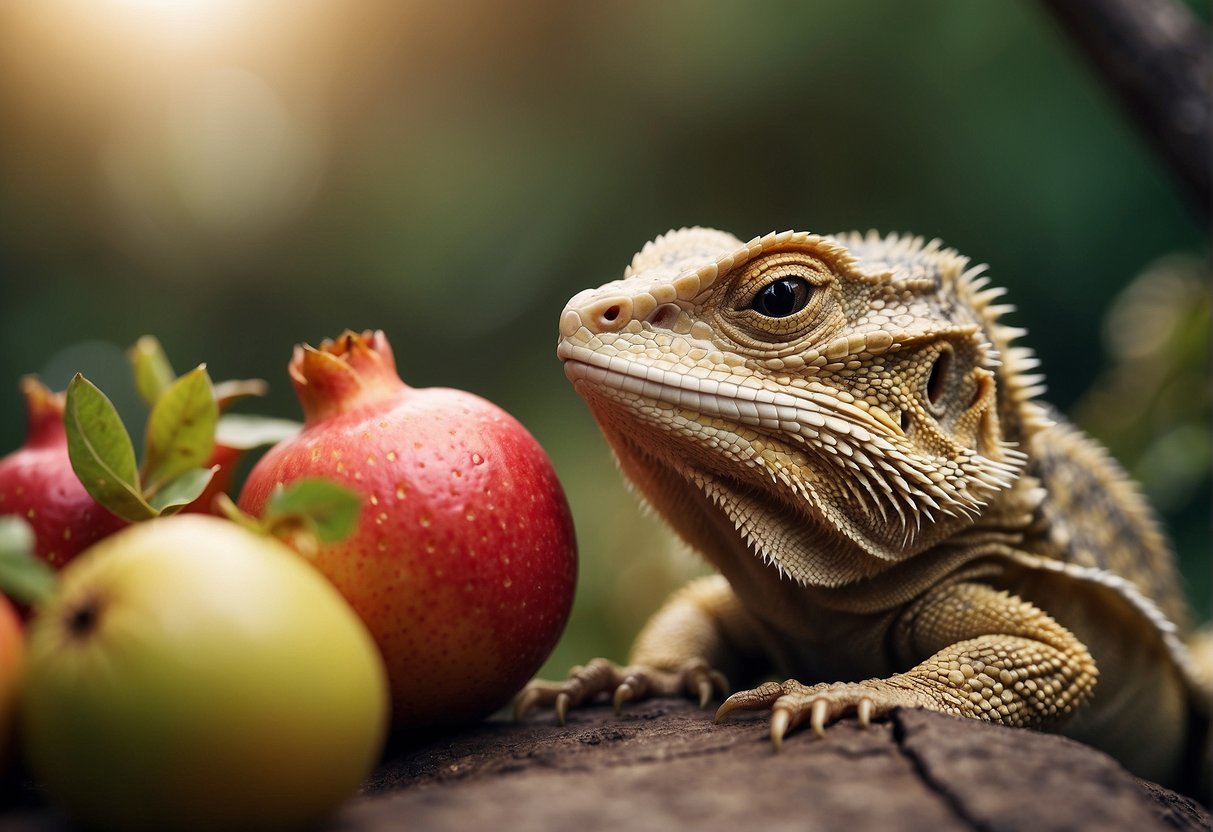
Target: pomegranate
463	561
38	484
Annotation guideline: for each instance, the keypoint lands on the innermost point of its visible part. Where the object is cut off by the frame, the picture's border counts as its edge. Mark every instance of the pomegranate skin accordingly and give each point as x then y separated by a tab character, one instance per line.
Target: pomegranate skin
463	563
37	483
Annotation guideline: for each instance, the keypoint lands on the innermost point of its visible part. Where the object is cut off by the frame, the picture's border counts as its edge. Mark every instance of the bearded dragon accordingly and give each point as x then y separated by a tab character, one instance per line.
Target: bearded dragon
845	429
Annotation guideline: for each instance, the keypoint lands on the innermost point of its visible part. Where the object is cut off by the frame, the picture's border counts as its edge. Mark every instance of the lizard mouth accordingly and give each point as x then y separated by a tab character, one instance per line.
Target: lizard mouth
805	412
860	460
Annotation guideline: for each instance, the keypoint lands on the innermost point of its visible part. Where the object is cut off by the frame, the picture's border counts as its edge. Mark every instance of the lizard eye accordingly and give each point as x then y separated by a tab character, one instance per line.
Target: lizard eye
782	298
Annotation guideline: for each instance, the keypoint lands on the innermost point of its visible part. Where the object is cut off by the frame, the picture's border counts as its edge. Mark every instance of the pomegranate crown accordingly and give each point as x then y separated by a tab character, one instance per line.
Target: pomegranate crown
43	412
344	373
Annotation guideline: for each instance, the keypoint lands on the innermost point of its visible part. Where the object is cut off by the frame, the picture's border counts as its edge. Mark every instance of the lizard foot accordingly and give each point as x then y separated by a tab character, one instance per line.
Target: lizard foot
792	703
694	680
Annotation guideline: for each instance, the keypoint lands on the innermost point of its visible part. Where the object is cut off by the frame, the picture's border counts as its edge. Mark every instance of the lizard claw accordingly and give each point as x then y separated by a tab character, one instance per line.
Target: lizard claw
864	711
763	696
525	701
781	719
623	693
817	719
694	679
792	704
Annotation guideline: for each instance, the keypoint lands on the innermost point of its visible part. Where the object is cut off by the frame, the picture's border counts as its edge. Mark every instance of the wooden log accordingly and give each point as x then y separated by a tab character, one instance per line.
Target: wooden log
664	765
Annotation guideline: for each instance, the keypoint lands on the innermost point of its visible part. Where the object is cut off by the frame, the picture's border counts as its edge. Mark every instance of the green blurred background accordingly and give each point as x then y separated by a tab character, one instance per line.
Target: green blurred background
236	176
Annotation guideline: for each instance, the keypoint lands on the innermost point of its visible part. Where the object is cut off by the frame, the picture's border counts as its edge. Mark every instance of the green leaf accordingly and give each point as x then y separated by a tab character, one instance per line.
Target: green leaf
329	510
227	392
244	432
153	372
180	430
23	575
101	452
182	489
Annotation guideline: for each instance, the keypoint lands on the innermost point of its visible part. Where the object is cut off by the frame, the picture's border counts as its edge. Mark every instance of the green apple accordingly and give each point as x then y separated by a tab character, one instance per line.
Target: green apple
190	674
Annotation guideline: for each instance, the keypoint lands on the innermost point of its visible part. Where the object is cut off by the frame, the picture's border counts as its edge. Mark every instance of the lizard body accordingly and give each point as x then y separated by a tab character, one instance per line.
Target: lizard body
844	428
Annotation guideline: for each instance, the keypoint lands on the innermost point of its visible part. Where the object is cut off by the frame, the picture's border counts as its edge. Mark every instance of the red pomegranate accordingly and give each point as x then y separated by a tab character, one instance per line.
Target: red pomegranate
37	483
463	562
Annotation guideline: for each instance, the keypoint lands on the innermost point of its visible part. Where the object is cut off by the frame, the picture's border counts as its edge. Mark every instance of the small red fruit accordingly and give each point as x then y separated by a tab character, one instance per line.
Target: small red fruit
12	654
38	484
464	561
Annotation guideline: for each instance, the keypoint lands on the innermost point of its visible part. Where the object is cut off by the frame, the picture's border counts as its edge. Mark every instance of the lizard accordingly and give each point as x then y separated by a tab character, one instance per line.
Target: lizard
847	429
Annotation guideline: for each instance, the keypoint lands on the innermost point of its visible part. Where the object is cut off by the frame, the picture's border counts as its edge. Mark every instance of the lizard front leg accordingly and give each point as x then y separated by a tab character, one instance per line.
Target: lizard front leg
701	633
989	655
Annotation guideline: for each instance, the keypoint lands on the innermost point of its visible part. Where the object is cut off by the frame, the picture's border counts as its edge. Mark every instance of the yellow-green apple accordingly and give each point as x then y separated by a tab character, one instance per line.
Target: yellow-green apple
463	562
187	673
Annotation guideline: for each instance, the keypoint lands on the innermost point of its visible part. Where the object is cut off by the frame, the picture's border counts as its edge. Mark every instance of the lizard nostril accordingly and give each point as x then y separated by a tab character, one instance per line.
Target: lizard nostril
937	377
607	314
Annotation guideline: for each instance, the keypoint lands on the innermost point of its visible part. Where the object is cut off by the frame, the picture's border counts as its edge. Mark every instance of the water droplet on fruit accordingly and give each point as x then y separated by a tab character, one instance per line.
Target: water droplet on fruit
477	459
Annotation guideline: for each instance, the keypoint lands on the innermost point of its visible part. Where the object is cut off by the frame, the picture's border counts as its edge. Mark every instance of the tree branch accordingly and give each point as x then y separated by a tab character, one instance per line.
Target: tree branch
1155	55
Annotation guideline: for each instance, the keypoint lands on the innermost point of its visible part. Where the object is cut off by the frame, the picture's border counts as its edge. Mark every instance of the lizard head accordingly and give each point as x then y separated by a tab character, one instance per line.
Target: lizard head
844	401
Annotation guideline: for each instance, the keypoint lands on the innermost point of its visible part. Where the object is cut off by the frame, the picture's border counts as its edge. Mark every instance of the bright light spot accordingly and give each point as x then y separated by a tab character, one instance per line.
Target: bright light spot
195	9
185	19
227	159
239	156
